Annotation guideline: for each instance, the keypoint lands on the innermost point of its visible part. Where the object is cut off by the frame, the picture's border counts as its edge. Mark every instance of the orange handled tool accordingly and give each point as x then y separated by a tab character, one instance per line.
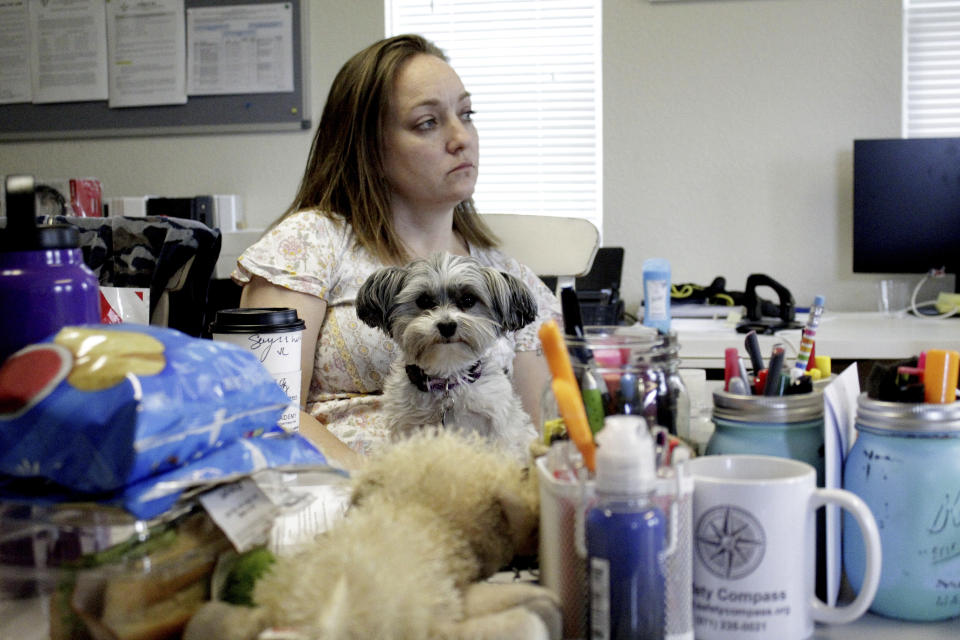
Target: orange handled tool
940	376
575	417
555	351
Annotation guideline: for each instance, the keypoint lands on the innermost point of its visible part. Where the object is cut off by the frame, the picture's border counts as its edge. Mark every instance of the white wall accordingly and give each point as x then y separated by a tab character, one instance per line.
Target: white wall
728	128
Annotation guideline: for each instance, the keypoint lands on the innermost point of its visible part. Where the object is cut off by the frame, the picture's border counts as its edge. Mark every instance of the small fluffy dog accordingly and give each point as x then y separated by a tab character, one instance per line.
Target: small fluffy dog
430	519
447	314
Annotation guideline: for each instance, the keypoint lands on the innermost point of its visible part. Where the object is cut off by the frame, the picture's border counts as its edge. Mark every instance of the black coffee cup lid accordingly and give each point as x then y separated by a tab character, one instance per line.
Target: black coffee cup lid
256	320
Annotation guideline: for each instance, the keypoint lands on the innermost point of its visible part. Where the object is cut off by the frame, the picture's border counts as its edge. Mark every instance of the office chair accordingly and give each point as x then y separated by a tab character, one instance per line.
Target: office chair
550	245
174	258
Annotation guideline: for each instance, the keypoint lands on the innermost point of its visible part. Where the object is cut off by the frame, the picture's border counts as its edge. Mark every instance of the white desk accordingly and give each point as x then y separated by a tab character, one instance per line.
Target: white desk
841	335
874	627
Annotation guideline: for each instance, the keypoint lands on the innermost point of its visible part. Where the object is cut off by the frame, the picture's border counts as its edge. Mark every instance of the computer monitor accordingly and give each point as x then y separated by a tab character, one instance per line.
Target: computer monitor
906	205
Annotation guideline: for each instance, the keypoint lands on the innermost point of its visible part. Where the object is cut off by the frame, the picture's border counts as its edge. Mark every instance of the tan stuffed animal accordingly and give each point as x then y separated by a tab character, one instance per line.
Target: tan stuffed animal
431	518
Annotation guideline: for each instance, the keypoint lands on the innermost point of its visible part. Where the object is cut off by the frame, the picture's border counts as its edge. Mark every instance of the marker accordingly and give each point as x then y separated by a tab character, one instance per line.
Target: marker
592	400
752	345
940	376
731	368
760	384
809	334
825	365
628	401
774	372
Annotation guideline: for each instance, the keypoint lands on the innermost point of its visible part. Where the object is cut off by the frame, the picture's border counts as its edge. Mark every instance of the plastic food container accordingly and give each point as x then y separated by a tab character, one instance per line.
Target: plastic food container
90	572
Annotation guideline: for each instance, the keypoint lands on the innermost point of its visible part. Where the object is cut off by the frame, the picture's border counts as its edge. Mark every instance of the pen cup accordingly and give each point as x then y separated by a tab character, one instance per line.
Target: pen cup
789	426
563	566
630	370
564	501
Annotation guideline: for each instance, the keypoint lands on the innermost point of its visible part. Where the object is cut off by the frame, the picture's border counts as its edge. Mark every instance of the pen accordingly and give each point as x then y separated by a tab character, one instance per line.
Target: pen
809	334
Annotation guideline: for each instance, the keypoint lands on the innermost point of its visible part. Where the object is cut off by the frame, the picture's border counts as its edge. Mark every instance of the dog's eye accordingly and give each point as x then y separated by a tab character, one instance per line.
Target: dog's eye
466	301
425	301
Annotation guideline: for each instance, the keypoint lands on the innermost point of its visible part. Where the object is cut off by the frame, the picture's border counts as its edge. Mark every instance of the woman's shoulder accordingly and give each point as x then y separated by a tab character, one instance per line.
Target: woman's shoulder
305	251
312	221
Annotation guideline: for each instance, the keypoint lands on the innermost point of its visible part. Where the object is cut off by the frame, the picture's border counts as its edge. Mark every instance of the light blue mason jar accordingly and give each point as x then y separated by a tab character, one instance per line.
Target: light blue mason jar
786	426
905	465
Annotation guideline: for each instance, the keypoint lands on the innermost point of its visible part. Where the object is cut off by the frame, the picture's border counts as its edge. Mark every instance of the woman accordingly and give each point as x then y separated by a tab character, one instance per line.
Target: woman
390	177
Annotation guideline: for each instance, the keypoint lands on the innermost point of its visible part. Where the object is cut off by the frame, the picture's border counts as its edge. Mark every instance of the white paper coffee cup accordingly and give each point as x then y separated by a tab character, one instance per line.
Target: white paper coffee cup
273	335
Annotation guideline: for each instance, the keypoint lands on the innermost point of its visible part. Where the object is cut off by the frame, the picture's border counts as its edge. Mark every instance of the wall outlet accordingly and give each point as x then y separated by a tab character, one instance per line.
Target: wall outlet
948	302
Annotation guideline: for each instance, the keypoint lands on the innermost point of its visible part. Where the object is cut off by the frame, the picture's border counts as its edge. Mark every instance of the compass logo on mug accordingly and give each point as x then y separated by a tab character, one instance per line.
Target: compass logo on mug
730	542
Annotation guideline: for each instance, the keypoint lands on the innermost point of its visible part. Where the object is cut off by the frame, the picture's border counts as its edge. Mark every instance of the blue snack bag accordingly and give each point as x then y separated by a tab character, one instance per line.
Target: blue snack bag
98	407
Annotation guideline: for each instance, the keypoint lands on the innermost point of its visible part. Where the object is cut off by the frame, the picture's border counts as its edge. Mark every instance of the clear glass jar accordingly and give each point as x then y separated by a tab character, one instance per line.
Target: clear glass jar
633	370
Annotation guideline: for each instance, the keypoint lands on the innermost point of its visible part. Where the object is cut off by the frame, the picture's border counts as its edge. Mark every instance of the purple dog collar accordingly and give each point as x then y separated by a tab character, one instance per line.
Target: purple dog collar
427	384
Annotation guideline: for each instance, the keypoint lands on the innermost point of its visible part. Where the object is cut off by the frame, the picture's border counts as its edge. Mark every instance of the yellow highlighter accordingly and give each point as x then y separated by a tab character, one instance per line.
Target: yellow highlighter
575	416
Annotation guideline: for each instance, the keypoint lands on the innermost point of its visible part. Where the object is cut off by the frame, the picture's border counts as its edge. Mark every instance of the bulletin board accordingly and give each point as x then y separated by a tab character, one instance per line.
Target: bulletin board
205	114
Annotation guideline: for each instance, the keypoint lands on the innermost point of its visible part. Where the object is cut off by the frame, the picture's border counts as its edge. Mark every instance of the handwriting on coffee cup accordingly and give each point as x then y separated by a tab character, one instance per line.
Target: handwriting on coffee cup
278	344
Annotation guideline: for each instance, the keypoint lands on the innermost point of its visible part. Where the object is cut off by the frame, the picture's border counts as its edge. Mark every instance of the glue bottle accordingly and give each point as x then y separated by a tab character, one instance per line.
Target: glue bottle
626	536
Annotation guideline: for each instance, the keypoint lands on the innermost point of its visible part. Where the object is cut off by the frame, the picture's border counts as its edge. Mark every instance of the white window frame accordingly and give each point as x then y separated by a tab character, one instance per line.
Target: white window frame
541	126
931	68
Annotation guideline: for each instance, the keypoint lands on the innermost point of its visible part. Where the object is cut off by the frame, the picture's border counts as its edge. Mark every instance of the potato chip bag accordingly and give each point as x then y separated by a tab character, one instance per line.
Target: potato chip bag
98	407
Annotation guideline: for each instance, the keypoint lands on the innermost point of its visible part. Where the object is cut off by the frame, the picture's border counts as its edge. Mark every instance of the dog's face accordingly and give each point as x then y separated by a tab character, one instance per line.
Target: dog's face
444	311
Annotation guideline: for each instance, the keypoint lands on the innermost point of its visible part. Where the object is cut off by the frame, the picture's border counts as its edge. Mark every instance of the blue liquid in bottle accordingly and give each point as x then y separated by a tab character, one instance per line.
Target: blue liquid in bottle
626	534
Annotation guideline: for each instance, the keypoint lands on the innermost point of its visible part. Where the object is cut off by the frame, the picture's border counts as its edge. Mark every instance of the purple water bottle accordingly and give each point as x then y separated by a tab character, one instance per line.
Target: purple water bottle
626	535
44	283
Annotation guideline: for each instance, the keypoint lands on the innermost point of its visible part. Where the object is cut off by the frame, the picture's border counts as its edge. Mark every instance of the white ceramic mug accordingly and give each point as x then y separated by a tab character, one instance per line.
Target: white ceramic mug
754	548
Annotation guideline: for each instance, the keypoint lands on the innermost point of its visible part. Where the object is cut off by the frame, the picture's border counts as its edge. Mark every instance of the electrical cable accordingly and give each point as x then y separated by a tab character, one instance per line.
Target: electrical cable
915	306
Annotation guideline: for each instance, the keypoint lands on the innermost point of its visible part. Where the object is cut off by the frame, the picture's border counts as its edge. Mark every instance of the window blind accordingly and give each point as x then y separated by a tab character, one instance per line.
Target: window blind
533	70
931	64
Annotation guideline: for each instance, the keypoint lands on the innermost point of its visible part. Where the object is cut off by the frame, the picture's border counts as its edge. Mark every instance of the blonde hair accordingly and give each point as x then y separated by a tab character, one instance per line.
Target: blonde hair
344	173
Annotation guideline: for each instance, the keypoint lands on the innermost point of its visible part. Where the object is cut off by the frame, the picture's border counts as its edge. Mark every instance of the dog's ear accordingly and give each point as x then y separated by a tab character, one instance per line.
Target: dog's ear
513	303
375	297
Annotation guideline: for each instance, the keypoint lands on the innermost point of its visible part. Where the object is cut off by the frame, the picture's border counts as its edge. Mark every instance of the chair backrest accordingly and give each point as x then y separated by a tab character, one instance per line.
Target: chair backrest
549	245
173	257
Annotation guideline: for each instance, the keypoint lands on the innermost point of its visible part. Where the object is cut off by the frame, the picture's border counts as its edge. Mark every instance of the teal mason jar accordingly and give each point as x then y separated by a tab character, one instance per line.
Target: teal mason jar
905	464
786	426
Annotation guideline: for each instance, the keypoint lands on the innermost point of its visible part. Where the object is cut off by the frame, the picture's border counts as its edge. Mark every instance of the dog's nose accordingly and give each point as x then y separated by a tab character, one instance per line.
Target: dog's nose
446	329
